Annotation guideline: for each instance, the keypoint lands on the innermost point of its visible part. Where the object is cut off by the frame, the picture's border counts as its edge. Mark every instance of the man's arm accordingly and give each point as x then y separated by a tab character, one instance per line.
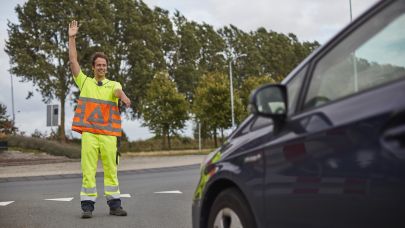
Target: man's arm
74	64
121	95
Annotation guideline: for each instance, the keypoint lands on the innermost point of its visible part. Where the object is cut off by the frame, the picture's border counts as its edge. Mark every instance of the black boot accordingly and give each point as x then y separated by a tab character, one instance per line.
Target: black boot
88	208
115	207
87	214
118	212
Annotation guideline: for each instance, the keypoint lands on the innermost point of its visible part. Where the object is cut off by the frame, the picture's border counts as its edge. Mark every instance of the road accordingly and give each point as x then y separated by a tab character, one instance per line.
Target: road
146	206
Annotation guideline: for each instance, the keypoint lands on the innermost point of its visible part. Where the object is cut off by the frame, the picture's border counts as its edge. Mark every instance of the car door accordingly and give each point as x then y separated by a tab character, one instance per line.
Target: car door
339	159
242	155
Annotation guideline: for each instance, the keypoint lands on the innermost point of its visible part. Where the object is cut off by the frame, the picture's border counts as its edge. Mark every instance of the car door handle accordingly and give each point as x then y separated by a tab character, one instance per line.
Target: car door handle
252	158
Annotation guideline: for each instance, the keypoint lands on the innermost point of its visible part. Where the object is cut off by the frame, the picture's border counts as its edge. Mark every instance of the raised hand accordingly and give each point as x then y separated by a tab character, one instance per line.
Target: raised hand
73	28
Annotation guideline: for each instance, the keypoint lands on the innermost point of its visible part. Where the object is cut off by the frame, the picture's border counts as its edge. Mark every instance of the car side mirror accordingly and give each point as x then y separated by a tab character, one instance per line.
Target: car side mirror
269	100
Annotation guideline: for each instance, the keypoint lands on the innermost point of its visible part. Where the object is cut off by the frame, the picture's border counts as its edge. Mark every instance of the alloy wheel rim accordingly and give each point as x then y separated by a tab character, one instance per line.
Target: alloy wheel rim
227	218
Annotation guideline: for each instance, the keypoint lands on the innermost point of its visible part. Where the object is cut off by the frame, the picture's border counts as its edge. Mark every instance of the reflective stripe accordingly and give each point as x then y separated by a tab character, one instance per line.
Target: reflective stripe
111	188
96	116
112	192
89	190
116	121
115	112
93	100
106	128
91	198
88	194
113	196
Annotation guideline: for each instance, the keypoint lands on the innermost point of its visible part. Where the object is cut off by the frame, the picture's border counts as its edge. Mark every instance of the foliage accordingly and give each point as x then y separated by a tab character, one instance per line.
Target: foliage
154	144
164	108
37	48
212	103
6	125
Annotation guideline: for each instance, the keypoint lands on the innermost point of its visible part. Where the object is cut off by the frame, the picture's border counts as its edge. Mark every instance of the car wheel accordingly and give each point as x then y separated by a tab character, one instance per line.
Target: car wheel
230	210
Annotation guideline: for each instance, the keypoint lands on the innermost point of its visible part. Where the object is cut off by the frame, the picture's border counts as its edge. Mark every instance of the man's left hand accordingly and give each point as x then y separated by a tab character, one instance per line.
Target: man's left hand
126	101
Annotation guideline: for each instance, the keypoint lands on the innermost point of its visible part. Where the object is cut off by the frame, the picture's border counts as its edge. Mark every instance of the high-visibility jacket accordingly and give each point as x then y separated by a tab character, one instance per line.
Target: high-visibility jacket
97	110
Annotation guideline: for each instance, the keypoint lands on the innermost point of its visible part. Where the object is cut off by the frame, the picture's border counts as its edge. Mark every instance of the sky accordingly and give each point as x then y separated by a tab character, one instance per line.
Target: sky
309	20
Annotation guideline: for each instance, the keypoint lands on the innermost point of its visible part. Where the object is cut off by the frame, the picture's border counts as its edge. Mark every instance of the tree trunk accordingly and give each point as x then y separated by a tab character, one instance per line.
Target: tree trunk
168	141
215	138
163	139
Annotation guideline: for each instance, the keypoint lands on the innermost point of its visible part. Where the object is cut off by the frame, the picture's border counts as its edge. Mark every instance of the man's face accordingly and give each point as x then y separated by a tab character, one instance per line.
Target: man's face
100	67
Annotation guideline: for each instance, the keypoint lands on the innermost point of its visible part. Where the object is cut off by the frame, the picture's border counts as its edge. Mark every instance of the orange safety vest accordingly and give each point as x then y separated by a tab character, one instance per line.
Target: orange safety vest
97	116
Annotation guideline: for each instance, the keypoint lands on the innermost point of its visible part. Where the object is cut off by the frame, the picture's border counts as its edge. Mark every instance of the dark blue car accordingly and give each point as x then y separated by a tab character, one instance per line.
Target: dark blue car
326	147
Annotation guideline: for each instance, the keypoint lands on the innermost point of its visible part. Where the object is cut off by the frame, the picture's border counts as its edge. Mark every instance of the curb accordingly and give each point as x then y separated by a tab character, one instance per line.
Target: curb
98	174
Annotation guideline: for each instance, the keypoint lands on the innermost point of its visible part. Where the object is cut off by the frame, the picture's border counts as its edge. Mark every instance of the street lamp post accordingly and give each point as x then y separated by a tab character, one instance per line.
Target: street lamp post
231	88
356	80
12	97
231	60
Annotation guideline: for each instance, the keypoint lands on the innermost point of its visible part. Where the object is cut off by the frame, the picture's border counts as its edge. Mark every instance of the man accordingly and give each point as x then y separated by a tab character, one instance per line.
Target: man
97	118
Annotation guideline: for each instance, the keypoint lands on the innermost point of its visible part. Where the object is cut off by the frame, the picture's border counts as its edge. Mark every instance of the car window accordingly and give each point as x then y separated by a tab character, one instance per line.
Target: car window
293	89
260	122
254	123
373	55
244	126
245	129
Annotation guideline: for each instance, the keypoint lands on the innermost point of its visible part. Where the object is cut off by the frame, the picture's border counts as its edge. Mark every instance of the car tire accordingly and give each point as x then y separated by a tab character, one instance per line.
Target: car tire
230	210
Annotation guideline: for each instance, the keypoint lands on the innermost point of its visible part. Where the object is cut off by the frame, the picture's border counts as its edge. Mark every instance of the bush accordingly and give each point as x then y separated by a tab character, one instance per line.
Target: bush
155	144
72	148
43	145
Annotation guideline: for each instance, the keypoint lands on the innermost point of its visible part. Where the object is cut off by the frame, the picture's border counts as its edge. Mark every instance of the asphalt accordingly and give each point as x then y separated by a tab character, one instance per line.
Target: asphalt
65	169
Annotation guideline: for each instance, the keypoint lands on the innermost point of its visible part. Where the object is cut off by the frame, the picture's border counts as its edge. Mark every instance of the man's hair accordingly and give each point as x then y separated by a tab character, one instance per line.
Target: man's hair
98	55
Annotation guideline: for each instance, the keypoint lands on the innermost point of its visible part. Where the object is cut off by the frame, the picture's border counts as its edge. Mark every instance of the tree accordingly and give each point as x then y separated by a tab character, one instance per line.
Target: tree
146	40
211	44
164	108
37	49
184	67
211	105
6	125
237	42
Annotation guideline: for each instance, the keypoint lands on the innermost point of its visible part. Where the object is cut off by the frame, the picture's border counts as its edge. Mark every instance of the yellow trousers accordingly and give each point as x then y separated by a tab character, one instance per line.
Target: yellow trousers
93	146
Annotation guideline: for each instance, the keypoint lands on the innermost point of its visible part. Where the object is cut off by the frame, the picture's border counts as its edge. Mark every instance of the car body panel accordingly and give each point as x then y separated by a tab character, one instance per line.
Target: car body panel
334	167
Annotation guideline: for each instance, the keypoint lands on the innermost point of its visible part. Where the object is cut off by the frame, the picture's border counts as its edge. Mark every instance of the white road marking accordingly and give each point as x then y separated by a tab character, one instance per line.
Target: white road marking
169	192
6	203
125	196
61	199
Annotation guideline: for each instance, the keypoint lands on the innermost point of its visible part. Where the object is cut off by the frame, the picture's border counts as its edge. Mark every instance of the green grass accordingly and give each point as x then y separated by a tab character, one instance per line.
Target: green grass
169	153
72	150
38	145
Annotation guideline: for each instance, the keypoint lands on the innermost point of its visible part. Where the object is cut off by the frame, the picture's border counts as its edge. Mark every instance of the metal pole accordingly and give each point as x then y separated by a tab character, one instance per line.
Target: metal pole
356	80
199	136
12	98
231	88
